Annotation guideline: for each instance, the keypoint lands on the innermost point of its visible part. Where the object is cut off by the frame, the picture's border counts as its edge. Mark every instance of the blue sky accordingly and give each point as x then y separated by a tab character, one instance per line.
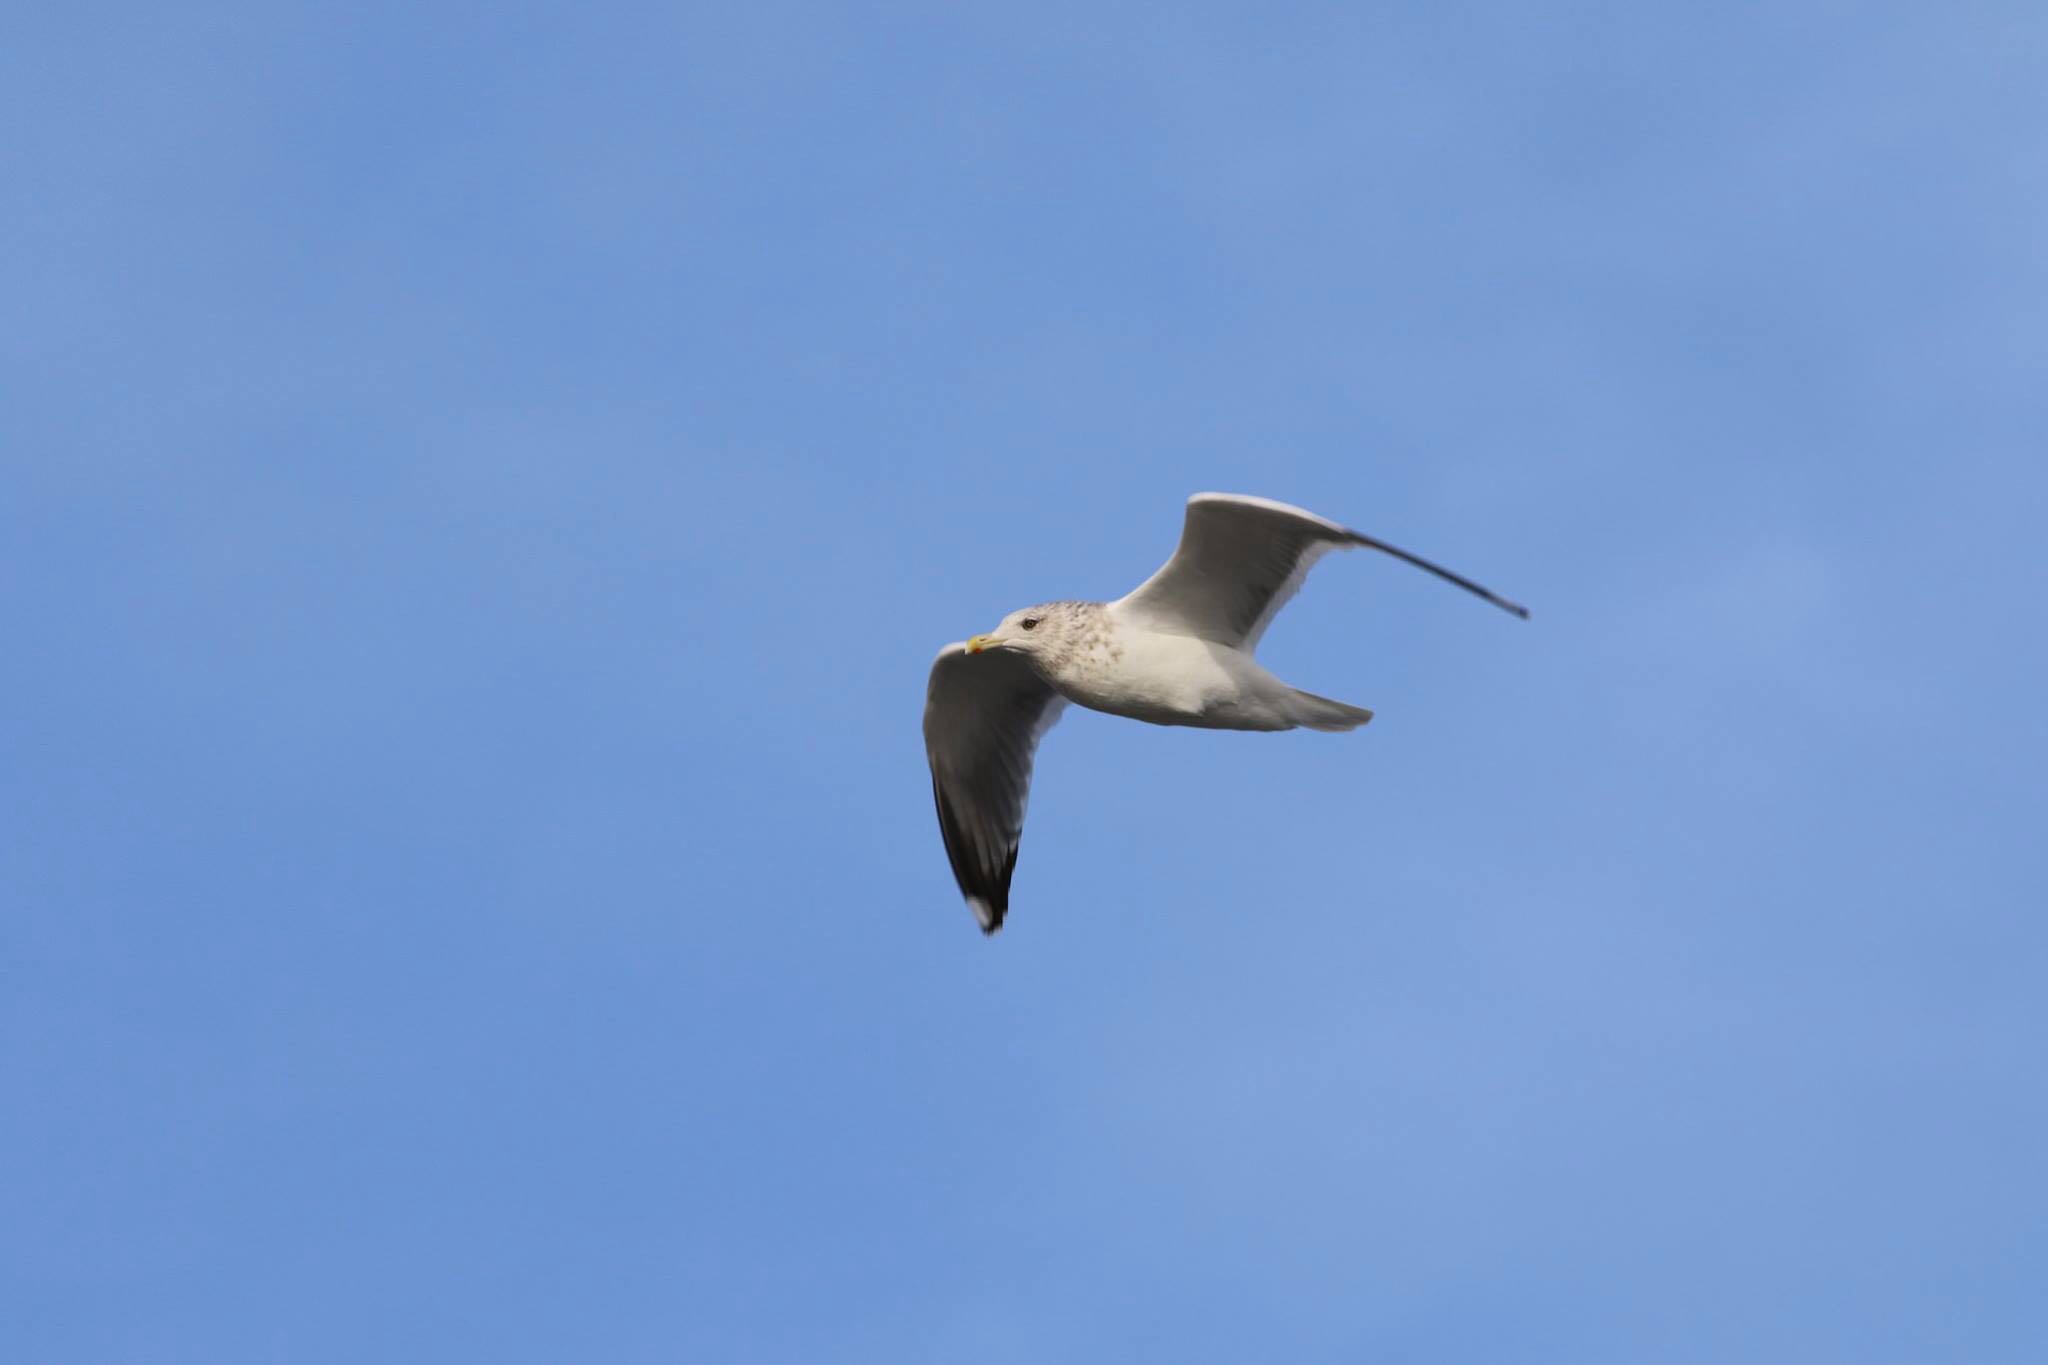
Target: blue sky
483	486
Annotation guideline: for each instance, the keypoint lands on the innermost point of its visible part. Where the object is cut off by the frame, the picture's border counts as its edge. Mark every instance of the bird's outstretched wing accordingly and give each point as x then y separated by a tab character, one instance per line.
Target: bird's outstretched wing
1241	559
983	716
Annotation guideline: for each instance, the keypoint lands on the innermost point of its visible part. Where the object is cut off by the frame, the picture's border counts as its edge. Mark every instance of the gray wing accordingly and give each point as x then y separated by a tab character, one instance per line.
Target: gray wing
1241	559
983	716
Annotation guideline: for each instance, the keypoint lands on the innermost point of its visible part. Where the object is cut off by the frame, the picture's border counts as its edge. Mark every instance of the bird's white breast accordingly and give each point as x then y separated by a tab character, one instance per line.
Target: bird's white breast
1165	679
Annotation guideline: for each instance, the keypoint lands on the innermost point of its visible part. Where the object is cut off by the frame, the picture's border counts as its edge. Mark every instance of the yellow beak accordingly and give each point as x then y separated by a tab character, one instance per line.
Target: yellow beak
981	642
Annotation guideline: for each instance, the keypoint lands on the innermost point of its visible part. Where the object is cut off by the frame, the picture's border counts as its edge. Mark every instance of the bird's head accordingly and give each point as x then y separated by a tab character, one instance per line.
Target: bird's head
1038	630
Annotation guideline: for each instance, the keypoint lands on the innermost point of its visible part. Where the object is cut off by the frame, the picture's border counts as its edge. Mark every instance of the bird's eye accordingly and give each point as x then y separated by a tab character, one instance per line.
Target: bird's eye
1029	623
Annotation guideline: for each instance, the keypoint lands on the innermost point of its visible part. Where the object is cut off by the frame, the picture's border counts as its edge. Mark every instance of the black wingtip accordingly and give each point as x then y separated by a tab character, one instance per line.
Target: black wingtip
986	889
1429	566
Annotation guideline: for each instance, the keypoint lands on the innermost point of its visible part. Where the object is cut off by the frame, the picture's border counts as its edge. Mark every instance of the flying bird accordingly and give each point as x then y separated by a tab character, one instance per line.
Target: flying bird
1176	651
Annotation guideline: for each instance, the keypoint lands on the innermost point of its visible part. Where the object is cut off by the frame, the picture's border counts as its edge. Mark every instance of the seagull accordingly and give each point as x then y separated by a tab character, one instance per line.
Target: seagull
1176	651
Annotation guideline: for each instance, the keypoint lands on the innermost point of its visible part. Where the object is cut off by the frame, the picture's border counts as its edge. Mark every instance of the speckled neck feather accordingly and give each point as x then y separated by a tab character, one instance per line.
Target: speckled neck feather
1084	632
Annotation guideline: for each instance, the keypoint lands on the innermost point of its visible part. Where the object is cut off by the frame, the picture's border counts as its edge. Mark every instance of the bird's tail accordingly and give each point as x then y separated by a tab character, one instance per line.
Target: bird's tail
1320	713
